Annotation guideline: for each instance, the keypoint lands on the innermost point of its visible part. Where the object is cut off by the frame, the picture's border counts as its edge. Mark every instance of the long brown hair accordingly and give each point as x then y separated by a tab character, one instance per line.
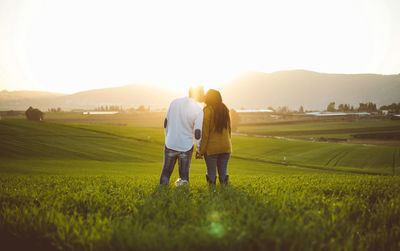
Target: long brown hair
221	112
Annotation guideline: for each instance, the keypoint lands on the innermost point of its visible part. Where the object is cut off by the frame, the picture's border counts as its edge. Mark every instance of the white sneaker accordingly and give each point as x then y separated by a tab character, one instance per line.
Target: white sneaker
180	182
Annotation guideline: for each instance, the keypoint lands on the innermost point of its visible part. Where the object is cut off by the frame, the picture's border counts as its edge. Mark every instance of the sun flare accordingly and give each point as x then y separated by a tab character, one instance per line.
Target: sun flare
68	46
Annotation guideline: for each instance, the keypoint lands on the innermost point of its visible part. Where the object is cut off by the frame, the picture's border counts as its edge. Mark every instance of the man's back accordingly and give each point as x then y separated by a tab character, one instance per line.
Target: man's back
183	118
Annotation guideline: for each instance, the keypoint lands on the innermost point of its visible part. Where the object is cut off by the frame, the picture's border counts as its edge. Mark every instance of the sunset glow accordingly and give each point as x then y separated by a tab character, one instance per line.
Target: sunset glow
69	46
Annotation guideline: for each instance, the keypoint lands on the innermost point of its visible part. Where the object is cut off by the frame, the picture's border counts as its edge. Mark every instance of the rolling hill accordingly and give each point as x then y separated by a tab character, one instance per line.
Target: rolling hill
313	90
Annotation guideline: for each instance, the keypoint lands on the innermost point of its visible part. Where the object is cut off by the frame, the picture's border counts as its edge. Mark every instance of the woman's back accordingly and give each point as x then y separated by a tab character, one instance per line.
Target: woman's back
214	141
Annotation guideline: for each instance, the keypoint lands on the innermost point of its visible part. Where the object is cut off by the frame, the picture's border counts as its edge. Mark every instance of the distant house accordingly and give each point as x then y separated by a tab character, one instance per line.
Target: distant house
385	112
254	110
99	113
34	114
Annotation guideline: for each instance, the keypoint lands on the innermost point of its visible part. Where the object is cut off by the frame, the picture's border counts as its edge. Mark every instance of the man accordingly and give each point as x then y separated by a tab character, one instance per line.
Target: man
183	123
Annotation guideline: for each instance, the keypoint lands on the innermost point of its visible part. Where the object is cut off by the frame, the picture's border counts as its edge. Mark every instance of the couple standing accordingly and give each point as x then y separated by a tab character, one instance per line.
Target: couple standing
209	127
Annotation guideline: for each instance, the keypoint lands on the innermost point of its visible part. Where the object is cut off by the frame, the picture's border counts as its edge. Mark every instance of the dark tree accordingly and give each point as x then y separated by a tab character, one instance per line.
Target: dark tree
58	109
301	109
331	107
344	108
34	114
282	109
142	108
367	107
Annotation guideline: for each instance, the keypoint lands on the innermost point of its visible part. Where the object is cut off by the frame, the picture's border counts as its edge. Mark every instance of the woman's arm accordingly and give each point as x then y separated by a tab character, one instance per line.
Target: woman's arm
230	128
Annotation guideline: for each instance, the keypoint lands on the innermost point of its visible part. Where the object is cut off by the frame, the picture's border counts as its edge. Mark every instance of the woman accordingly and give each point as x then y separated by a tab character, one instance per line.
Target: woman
216	139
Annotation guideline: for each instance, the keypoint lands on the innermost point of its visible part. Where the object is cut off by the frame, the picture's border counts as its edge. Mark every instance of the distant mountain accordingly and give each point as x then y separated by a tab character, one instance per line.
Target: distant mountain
21	100
127	96
19	95
313	90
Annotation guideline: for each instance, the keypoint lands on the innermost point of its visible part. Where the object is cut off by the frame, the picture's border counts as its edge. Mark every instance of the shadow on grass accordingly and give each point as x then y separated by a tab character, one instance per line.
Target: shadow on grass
33	241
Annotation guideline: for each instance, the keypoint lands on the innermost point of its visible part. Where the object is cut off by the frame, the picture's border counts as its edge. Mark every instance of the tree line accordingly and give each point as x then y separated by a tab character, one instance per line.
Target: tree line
363	107
114	108
58	109
118	108
331	107
392	108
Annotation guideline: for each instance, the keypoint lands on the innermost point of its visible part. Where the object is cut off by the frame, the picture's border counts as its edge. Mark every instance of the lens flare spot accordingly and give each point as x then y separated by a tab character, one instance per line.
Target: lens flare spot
216	228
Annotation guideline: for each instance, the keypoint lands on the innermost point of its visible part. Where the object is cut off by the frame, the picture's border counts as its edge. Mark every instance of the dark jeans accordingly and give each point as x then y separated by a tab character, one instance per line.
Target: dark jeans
170	158
217	162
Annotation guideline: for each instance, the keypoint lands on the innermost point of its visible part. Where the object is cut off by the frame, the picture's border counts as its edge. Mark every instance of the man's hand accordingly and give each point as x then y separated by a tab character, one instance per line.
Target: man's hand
198	155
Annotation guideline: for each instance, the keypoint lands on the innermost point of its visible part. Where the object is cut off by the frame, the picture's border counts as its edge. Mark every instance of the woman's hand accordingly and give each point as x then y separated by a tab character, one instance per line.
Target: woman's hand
198	155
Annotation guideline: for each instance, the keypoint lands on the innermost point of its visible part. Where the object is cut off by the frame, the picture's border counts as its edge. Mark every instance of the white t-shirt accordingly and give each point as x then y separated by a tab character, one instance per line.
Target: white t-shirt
184	116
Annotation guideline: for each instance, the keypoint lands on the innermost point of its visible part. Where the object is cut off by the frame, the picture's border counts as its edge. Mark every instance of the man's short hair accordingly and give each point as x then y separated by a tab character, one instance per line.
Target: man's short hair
196	93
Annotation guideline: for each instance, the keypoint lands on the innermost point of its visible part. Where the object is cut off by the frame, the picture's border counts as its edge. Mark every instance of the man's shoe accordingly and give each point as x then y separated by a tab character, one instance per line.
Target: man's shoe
180	182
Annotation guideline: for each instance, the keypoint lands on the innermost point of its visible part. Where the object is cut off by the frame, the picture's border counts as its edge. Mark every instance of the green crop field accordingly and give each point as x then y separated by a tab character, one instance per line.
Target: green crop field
74	186
339	128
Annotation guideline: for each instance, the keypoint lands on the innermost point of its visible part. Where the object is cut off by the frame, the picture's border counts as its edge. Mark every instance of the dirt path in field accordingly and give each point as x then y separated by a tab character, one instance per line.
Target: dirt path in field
336	156
315	167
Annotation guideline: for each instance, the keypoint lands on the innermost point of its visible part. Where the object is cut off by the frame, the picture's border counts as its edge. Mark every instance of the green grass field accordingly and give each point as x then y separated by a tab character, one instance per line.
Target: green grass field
139	119
75	186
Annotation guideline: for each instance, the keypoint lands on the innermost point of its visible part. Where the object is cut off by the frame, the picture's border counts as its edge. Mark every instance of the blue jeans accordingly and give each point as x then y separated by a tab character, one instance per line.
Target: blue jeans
170	158
217	162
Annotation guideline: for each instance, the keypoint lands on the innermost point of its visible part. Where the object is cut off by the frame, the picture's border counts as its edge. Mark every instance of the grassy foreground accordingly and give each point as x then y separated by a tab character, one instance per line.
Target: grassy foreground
94	187
254	213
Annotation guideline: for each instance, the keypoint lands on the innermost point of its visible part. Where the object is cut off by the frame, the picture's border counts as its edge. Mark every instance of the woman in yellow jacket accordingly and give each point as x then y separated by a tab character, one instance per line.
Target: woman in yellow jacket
216	139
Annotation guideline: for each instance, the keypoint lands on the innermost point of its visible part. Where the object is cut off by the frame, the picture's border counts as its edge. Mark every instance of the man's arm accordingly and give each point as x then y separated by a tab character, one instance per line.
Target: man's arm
166	120
198	126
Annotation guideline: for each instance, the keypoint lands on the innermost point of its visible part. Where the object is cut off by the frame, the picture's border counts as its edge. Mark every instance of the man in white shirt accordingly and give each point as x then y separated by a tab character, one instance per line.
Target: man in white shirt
183	125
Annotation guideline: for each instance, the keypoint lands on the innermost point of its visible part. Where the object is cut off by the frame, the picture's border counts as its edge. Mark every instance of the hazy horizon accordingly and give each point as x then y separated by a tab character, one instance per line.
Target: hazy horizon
313	90
70	46
218	85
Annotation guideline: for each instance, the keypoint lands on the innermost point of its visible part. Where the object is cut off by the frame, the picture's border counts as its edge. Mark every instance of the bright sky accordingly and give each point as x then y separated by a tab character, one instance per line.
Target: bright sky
69	46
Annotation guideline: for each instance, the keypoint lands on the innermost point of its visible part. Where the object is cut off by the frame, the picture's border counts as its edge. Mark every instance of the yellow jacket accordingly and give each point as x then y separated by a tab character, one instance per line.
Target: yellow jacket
213	142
